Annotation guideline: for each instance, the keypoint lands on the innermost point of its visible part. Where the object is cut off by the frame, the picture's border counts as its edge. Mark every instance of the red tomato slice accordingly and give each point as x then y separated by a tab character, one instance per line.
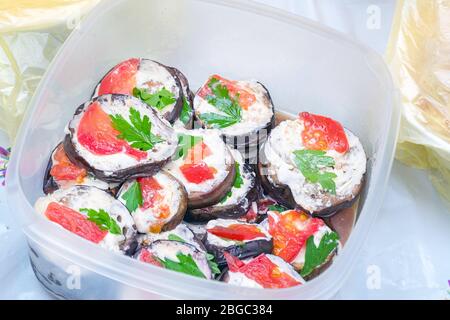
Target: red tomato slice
263	271
246	98
64	169
121	79
148	257
290	232
197	172
75	222
322	133
96	133
197	153
149	188
238	232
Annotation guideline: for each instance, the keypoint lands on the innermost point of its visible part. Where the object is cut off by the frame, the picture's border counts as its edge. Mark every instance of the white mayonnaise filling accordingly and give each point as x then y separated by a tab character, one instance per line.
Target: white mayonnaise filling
170	197
247	181
181	231
77	198
350	167
219	159
222	242
239	279
119	161
254	118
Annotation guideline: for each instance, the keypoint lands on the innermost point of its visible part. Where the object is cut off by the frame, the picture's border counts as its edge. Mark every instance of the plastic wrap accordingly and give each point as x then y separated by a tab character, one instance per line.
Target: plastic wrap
419	57
31	32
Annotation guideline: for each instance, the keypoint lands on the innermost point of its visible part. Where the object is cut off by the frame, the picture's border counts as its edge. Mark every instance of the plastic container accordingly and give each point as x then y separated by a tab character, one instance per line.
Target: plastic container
304	65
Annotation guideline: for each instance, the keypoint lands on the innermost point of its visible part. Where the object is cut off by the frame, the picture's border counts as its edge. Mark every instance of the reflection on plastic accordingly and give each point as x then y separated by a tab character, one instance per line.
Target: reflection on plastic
418	54
31	32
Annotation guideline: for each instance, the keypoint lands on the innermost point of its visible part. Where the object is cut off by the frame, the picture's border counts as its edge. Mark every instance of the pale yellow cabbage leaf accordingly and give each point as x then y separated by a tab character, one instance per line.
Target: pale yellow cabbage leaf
419	58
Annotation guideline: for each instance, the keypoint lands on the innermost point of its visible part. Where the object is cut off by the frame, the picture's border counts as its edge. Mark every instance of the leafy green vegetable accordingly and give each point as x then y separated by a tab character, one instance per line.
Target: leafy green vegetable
276	207
185	142
186	265
311	164
174	237
316	256
237	183
160	99
223	102
103	220
133	197
212	264
186	112
137	131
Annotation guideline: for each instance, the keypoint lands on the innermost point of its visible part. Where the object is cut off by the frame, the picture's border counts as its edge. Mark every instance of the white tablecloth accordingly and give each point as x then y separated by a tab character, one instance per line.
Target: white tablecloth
407	254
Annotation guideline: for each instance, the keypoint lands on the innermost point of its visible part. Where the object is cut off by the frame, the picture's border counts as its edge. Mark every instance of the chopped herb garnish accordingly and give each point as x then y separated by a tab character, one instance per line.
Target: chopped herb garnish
185	142
103	220
311	164
160	99
175	237
186	112
137	131
316	256
133	197
276	207
222	100
212	264
186	265
238	182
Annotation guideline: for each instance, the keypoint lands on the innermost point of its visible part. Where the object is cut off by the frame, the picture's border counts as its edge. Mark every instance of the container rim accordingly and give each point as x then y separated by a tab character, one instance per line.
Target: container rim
126	270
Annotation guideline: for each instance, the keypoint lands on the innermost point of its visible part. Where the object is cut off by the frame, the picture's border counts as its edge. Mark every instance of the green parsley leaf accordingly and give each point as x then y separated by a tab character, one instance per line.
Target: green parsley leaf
212	264
237	183
311	164
276	207
137	131
133	197
186	265
186	112
103	220
185	142
160	99
221	99
174	237
316	256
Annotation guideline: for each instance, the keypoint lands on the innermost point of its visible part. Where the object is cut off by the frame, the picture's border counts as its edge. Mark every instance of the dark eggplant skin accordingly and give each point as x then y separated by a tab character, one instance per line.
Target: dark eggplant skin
179	215
141	170
233	211
188	95
252	139
283	195
205	199
175	113
249	249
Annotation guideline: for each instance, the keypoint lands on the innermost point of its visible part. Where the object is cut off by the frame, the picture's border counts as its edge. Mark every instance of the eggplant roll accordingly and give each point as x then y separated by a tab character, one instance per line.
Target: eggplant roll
313	164
178	256
180	233
264	271
62	173
204	165
92	214
116	137
297	239
240	239
157	203
237	201
242	110
155	84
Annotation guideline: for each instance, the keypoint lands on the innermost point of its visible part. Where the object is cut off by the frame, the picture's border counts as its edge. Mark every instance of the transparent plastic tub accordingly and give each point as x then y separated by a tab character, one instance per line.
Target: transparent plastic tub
304	65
